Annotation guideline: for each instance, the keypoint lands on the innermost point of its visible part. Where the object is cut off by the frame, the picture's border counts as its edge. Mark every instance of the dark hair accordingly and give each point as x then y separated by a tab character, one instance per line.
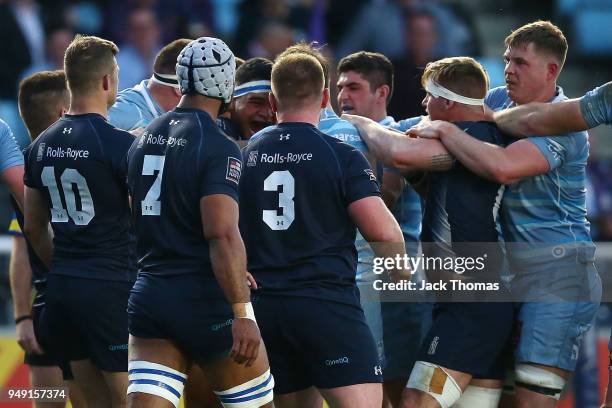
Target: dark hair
313	50
87	60
297	79
41	97
165	60
254	69
372	66
544	35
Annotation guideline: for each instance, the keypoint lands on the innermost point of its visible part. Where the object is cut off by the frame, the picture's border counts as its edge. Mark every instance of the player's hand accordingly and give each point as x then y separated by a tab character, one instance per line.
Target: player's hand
399	275
251	281
26	337
488	113
138	131
360	122
246	341
434	129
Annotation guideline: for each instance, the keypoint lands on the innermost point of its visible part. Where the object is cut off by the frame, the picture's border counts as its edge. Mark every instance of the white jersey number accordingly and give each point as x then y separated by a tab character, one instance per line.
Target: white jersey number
285	200
69	178
151	204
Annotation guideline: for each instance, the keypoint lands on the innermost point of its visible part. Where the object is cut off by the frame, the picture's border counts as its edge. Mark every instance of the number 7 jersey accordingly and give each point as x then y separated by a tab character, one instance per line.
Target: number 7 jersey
295	190
79	166
181	157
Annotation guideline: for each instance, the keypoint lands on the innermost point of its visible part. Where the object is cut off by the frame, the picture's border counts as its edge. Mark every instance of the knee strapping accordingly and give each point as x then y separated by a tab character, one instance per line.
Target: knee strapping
480	397
251	394
433	380
539	380
156	379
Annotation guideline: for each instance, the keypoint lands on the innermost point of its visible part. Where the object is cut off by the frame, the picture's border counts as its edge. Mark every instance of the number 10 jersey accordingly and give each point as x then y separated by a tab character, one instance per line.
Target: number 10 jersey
79	166
296	187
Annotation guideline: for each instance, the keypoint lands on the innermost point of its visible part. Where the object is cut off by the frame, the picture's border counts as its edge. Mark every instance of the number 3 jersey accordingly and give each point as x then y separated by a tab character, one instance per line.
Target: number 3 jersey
296	187
79	166
181	157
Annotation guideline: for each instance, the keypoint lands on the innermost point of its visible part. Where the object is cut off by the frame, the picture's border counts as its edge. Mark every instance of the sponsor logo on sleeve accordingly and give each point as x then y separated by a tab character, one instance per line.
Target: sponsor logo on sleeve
370	173
41	152
234	168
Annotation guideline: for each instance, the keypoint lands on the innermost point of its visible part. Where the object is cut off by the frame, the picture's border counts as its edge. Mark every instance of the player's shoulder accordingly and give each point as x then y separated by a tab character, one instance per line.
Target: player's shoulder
497	98
4	129
483	130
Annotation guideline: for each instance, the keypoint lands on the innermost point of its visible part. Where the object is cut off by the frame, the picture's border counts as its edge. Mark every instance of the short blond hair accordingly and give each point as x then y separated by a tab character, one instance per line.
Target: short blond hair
462	75
87	60
297	80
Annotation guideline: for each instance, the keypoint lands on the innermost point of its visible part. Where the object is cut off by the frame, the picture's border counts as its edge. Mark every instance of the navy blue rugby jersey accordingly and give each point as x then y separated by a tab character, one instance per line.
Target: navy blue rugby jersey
181	157
296	187
461	206
79	164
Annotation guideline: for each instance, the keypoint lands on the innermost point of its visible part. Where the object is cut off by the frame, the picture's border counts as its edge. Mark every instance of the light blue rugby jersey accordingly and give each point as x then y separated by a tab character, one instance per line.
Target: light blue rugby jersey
332	125
547	212
596	106
10	155
135	107
407	210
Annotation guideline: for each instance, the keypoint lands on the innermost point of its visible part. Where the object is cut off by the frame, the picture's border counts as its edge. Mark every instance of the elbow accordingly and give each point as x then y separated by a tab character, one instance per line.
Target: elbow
501	174
527	125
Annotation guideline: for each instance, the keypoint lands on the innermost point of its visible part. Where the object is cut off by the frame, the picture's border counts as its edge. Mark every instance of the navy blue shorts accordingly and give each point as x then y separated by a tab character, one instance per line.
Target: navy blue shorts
188	309
314	342
45	359
473	338
86	319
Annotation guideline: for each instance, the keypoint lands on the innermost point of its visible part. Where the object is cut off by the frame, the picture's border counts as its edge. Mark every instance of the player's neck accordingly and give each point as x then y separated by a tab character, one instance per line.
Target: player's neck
468	114
378	115
164	95
299	116
545	95
90	104
208	105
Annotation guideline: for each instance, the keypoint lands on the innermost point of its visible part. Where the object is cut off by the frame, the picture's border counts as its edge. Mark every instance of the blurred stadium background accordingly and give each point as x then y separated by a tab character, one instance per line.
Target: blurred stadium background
34	35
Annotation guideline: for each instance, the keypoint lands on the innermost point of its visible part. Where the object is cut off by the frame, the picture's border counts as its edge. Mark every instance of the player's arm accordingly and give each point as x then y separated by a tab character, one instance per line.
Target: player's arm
395	149
505	165
219	214
13	177
538	118
380	229
36	225
20	275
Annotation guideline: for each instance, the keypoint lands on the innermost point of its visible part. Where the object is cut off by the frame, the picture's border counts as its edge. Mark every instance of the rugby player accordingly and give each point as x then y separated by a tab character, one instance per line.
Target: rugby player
543	216
460	208
43	99
249	111
191	302
572	115
365	87
136	107
75	178
302	194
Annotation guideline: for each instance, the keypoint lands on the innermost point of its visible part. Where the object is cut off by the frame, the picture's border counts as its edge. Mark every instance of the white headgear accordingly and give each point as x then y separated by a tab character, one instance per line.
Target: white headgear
208	67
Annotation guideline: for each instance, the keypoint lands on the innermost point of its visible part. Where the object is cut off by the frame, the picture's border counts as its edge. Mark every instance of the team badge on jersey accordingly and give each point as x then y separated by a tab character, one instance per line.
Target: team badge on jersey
252	158
234	168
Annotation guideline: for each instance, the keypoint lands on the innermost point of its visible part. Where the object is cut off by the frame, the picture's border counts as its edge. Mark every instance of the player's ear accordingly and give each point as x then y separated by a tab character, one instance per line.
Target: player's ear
325	99
448	104
273	103
177	92
383	92
106	82
553	70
